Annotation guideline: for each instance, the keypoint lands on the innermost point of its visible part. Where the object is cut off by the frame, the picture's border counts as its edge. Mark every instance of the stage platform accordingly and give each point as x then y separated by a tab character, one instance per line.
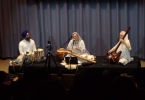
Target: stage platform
56	67
102	64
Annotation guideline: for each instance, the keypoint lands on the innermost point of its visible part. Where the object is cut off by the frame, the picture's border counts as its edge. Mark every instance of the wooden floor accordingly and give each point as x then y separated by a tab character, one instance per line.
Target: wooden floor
4	64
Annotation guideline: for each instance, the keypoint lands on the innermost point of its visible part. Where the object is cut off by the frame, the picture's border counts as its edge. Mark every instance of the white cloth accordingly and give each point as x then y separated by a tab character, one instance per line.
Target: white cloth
125	55
70	66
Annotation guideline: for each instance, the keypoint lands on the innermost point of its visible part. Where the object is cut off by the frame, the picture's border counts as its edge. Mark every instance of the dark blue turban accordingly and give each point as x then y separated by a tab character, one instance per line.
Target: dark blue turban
24	33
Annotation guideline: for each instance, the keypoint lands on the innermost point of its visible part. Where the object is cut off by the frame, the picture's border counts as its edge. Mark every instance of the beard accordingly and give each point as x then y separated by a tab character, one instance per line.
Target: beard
28	38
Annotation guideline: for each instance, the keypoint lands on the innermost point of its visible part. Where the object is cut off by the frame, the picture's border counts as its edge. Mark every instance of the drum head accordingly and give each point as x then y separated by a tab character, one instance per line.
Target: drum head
40	49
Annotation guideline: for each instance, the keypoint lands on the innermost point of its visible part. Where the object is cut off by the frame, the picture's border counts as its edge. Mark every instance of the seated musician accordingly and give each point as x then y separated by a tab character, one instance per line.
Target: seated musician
26	46
125	47
77	46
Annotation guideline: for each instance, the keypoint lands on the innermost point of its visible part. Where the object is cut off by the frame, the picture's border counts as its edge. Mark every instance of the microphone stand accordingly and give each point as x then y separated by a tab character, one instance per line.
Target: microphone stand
71	56
70	62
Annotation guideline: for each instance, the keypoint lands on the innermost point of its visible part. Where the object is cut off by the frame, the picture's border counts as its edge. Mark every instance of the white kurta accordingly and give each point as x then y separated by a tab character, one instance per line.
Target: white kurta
25	46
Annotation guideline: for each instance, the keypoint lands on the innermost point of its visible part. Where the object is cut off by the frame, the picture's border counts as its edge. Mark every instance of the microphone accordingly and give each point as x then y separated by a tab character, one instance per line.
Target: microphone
73	42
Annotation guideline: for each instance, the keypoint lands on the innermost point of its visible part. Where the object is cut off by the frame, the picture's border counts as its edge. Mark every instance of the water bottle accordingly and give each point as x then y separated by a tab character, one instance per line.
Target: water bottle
11	63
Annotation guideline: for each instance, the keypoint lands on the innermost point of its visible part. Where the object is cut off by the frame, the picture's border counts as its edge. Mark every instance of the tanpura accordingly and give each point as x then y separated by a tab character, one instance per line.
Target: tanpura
113	57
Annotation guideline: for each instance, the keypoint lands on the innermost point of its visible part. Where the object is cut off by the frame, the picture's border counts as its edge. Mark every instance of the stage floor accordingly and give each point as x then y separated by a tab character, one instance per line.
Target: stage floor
56	67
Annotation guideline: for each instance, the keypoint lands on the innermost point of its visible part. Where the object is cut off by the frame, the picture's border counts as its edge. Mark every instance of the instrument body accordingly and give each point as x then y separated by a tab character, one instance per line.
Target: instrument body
62	50
114	56
60	54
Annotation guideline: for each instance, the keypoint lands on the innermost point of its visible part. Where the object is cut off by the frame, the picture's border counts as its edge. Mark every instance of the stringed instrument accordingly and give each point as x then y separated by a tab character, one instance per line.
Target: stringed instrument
60	54
114	56
62	50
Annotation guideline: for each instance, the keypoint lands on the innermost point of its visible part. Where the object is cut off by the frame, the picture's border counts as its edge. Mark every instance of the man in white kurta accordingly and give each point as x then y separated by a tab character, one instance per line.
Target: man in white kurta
125	47
26	46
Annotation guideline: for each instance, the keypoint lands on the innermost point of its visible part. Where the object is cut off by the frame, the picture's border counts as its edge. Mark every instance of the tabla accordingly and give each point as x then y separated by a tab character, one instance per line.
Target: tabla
28	56
28	59
39	54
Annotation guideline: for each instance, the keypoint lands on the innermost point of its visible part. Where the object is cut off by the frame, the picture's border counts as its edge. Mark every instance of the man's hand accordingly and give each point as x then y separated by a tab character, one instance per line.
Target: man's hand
109	51
122	41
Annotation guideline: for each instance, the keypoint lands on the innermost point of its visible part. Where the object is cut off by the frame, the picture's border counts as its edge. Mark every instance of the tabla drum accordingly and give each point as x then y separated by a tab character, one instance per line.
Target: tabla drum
28	59
39	54
28	56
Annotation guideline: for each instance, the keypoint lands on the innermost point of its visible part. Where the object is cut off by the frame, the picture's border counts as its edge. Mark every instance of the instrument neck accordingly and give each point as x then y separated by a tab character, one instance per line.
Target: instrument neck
126	32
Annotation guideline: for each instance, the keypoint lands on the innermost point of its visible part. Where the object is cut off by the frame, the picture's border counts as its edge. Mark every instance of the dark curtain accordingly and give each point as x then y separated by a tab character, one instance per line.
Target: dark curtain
98	22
